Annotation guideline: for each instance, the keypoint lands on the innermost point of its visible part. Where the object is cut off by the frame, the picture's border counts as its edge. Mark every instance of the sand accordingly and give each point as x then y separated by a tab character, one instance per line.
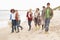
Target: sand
5	34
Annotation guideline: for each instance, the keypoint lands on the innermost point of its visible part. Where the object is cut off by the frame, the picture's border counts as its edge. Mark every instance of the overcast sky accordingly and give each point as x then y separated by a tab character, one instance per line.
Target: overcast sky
26	4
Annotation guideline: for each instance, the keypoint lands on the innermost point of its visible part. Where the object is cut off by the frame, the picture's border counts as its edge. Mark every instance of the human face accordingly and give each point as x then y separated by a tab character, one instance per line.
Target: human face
48	5
13	12
37	10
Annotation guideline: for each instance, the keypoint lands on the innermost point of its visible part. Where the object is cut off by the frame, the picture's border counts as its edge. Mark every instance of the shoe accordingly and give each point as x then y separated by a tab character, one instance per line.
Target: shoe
46	32
21	28
12	32
17	32
29	29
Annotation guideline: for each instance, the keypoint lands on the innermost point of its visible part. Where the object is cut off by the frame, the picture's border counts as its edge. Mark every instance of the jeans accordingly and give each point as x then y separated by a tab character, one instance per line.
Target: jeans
18	25
13	25
29	23
47	22
37	21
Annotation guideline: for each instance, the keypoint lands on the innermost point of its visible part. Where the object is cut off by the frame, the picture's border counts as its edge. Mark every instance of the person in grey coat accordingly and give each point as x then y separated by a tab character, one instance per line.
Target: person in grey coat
43	18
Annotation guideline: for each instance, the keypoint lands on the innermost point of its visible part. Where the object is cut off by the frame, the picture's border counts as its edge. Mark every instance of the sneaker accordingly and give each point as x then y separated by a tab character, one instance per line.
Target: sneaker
17	32
21	28
12	32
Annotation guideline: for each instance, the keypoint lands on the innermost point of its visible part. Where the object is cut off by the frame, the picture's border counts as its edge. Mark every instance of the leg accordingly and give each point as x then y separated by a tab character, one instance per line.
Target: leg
12	29
47	21
39	23
17	26
29	23
43	25
20	25
12	26
35	21
17	29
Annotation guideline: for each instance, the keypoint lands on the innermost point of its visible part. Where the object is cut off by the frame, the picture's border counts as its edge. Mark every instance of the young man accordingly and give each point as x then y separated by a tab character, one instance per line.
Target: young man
29	17
12	18
43	18
48	16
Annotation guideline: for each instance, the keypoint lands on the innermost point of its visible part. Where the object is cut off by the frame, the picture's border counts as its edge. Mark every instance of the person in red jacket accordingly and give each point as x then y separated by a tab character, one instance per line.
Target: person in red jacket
29	17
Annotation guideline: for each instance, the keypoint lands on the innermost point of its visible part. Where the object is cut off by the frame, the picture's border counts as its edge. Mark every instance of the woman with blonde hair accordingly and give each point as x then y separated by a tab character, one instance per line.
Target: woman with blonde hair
29	17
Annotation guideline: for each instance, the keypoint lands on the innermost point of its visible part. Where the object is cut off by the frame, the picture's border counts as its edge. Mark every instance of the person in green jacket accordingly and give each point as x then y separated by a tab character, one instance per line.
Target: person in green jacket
48	16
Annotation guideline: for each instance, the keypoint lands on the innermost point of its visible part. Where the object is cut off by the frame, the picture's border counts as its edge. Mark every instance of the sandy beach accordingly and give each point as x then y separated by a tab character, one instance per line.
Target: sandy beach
54	31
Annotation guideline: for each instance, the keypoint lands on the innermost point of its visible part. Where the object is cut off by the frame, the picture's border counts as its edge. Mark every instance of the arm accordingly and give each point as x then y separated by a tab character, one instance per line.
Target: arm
27	14
10	16
51	13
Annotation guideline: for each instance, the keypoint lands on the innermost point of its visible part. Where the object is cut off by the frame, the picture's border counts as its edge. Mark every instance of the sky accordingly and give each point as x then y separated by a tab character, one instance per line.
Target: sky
26	4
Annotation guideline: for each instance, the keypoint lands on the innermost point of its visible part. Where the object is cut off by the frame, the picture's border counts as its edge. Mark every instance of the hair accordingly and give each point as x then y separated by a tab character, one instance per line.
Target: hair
38	9
48	3
12	10
43	6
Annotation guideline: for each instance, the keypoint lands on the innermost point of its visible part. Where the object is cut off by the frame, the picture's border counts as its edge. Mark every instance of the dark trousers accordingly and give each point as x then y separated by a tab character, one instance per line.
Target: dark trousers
29	23
13	25
37	21
18	25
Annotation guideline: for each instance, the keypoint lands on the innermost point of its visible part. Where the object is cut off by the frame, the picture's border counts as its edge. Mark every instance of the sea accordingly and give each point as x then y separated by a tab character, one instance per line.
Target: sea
5	16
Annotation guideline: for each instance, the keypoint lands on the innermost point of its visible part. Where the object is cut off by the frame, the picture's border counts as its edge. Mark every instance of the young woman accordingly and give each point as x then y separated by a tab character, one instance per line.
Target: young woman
12	18
37	20
18	21
29	17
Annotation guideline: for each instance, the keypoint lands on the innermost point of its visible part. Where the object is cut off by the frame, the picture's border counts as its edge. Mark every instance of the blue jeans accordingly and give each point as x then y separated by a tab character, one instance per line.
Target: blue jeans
13	25
18	25
47	22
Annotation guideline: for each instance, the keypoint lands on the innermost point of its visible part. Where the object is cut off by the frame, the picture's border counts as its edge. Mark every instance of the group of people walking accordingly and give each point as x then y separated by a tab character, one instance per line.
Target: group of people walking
39	19
14	17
